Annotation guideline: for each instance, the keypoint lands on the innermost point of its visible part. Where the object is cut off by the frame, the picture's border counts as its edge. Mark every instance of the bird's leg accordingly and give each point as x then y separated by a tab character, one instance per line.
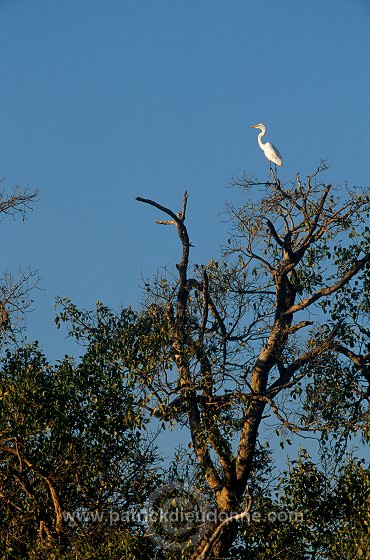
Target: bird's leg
273	174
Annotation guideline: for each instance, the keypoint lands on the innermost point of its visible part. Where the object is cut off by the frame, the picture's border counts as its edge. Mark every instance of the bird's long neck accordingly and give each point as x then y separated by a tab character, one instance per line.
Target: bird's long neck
261	134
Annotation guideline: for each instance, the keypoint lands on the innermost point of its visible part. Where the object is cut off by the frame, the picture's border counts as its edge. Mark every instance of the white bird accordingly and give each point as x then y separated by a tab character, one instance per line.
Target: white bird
268	149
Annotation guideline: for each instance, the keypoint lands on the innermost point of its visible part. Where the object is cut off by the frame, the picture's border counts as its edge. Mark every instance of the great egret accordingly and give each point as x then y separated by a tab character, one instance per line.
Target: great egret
268	149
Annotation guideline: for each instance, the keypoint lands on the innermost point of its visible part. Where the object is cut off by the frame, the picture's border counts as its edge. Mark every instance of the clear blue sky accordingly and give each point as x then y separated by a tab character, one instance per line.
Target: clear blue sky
104	101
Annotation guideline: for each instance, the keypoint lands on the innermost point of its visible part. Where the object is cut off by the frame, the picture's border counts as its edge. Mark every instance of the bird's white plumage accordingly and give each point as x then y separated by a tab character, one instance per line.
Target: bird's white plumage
268	149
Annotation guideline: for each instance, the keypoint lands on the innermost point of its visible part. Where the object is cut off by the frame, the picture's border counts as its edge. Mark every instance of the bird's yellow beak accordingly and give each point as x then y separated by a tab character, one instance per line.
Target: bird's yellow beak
253	126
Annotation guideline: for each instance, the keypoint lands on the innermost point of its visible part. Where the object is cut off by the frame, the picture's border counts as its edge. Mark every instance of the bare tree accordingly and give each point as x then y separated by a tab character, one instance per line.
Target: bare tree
14	291
285	307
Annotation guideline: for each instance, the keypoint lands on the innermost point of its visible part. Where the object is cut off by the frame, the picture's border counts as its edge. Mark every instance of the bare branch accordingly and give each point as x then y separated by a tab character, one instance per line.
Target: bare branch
359	264
18	202
160	207
362	362
298	326
166	222
274	233
303	359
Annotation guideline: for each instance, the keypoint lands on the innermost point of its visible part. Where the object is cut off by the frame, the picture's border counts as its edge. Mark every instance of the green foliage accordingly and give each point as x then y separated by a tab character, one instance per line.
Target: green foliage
72	439
315	515
105	543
